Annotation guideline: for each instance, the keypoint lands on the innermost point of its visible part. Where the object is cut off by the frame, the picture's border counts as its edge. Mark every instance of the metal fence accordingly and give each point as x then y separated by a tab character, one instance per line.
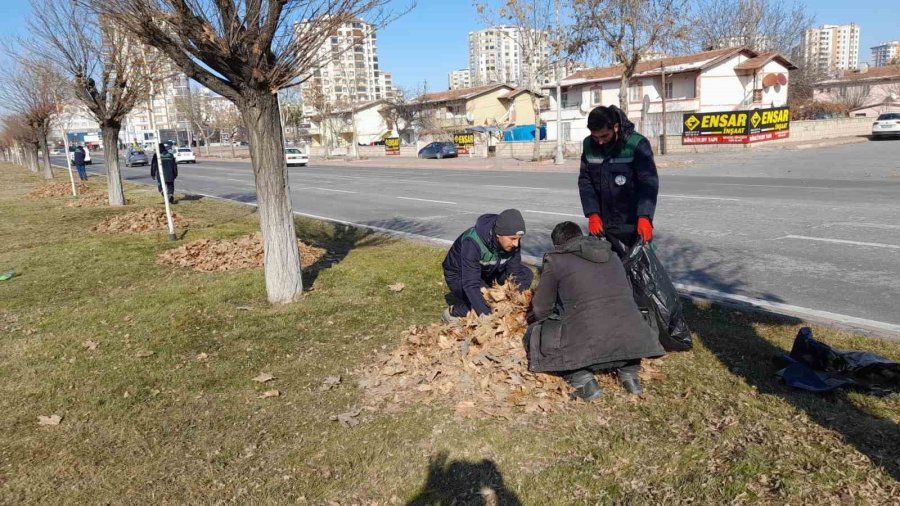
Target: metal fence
651	126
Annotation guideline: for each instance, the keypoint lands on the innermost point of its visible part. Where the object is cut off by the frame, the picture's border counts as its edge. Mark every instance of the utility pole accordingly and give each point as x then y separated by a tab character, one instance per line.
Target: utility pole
662	140
159	168
558	159
66	145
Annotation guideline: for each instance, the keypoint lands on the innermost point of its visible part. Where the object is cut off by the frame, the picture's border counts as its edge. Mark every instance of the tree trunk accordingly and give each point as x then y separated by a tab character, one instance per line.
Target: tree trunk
623	93
110	132
354	141
33	163
48	169
231	141
536	107
281	257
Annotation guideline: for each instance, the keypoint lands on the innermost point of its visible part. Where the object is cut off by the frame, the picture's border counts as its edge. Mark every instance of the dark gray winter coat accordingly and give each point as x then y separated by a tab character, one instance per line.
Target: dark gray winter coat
585	311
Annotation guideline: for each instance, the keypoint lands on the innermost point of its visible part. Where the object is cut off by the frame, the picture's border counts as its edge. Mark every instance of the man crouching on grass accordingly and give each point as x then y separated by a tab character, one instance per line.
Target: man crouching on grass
486	253
586	317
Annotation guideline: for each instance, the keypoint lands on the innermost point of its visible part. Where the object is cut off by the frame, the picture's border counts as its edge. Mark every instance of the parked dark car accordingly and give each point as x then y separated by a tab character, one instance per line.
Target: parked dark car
135	157
438	150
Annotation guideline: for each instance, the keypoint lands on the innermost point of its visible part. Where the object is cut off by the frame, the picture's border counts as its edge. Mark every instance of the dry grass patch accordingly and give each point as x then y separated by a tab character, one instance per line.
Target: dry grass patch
216	255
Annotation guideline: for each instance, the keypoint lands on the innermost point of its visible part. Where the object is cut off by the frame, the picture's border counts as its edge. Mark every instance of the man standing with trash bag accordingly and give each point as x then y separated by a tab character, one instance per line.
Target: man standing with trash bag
169	172
78	159
618	183
486	253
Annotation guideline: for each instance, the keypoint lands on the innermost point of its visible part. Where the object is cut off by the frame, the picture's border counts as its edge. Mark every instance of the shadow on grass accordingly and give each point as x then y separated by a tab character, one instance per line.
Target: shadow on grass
736	342
337	239
461	482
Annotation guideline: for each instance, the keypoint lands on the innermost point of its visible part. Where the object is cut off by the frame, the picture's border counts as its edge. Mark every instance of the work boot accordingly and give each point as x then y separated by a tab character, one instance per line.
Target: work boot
630	381
171	199
585	385
447	316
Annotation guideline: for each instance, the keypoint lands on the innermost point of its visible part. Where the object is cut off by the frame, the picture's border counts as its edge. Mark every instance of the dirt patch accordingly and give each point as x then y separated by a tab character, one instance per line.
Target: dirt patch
58	190
478	366
138	221
216	255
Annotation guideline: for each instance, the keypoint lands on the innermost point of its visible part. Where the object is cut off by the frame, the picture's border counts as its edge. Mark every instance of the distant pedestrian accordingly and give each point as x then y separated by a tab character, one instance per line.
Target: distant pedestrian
78	157
618	182
169	172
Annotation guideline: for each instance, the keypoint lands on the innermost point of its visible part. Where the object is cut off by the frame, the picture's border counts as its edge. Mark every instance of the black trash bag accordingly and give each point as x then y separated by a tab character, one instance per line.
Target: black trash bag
812	360
655	294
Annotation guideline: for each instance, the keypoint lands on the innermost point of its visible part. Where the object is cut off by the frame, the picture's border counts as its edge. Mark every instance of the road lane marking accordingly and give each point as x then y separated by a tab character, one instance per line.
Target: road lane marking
693	197
427	200
237	180
330	190
521	187
775	186
841	241
555	214
882	226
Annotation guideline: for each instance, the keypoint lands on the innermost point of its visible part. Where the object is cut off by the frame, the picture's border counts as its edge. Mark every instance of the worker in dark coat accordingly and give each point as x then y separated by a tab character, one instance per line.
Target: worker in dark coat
585	316
78	159
487	253
618	182
169	172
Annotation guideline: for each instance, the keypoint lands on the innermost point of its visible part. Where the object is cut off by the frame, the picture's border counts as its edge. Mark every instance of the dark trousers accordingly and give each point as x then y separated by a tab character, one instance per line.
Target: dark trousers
170	188
461	306
82	174
580	377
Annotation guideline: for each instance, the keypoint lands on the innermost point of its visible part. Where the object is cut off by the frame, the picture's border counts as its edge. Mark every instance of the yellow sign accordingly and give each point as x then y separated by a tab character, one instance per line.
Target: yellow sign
755	119
692	122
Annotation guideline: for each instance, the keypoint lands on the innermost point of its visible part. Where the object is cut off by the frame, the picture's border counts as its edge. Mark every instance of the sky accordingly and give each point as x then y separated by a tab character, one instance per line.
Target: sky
427	43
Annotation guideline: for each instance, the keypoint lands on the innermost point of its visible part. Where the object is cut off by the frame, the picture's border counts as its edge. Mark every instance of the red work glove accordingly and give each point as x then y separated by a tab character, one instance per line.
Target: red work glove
595	224
645	228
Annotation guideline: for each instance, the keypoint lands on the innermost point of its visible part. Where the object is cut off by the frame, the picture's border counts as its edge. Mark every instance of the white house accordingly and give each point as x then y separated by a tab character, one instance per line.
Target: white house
337	126
726	79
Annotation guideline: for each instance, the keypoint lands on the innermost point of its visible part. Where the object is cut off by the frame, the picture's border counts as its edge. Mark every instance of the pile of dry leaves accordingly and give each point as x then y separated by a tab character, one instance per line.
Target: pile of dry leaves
58	190
138	221
211	255
479	365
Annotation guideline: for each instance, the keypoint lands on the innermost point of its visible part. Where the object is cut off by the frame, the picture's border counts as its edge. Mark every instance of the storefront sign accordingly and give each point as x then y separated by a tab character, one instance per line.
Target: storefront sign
464	142
392	145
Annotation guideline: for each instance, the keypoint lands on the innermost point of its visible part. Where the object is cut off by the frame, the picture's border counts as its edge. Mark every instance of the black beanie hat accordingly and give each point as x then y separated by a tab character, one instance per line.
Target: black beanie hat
510	222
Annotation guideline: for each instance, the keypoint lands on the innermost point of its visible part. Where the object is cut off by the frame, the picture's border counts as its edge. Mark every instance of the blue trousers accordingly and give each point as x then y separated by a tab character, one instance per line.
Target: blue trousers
82	174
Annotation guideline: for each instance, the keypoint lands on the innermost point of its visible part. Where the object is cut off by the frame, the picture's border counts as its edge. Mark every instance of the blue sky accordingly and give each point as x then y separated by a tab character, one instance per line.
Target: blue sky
433	39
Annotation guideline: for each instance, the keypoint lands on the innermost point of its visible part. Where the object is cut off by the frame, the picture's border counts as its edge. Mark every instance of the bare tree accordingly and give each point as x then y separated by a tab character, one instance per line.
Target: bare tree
228	120
292	111
100	63
626	30
246	50
195	109
853	96
534	22
760	25
404	114
23	139
31	89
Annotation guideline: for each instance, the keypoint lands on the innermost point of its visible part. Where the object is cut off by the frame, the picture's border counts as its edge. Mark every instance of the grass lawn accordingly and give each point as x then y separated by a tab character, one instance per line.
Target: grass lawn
188	425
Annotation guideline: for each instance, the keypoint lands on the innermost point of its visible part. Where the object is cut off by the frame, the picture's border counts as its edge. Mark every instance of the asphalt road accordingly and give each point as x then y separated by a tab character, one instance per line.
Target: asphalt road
816	229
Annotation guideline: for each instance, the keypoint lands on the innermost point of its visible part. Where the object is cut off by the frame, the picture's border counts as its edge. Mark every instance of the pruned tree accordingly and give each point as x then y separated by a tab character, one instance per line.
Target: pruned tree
195	109
625	30
22	139
31	89
404	114
760	25
246	50
228	121
101	65
535	34
292	111
853	96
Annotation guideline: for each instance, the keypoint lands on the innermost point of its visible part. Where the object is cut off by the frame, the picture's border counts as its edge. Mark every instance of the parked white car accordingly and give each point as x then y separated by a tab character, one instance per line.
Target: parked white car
886	125
184	155
295	156
57	151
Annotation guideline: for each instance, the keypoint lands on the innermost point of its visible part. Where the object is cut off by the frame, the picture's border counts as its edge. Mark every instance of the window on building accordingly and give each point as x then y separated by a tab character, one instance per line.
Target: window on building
596	95
669	90
564	99
565	132
636	92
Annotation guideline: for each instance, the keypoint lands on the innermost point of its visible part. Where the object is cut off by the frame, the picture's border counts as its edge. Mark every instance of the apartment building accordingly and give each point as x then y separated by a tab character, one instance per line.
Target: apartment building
350	72
496	55
886	54
457	79
831	49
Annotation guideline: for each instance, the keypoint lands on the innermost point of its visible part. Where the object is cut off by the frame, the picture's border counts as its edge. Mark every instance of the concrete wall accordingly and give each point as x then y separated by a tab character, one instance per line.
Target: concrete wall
364	151
800	131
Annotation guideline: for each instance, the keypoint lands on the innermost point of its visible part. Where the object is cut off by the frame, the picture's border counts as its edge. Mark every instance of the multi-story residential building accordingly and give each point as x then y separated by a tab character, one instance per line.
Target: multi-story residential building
386	79
170	114
350	72
497	55
457	79
886	54
831	49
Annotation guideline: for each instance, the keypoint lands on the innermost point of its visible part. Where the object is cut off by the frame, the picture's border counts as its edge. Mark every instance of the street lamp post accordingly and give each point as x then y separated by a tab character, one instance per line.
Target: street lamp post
558	159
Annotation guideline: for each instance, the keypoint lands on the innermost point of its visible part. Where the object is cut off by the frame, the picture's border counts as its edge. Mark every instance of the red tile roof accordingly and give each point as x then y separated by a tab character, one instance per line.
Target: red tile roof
886	72
460	94
705	57
762	59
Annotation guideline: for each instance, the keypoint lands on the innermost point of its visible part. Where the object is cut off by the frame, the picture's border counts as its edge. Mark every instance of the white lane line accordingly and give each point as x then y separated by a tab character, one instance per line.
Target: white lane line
841	241
520	187
555	214
330	190
881	226
698	198
775	186
427	200
778	307
237	180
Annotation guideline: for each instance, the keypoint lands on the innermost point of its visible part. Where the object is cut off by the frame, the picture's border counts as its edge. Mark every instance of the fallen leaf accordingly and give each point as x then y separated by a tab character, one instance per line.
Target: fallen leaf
330	382
90	345
144	354
464	408
269	393
396	287
202	356
49	420
263	377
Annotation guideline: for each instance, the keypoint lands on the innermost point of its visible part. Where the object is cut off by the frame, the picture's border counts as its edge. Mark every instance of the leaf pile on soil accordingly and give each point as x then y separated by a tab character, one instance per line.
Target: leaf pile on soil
216	255
479	365
92	200
149	218
58	190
